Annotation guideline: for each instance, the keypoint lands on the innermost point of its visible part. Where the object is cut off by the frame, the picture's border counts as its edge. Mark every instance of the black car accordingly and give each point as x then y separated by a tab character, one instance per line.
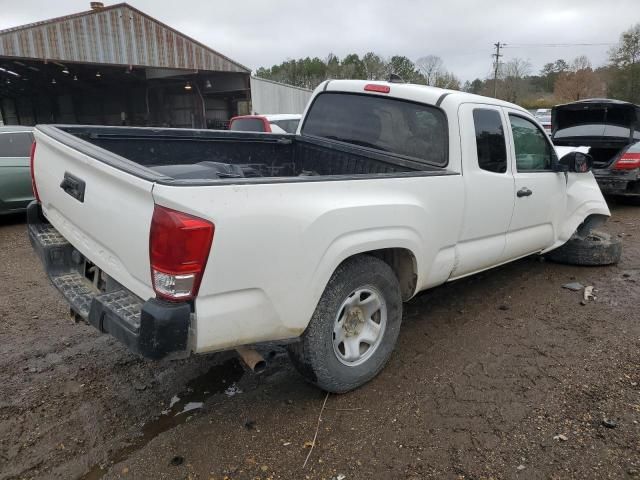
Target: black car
611	128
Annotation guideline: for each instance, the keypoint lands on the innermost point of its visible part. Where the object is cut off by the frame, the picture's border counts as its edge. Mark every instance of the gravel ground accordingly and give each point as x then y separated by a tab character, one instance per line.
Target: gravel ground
502	375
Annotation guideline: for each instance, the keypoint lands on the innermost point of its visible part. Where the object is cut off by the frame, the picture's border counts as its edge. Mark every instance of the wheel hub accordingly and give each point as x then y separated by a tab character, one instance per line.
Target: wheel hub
359	326
354	322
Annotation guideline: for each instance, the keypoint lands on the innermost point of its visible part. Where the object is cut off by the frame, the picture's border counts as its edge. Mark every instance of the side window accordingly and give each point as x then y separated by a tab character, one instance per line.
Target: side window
492	152
15	144
533	150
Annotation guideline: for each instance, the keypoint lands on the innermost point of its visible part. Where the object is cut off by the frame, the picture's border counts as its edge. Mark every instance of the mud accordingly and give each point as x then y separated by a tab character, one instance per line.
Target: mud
502	375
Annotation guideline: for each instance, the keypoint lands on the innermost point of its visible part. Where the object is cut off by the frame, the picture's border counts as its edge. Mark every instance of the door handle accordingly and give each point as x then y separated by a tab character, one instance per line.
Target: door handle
524	192
74	186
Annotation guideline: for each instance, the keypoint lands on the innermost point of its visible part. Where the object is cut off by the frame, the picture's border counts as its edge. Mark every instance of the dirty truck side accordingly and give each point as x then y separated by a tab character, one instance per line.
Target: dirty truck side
183	241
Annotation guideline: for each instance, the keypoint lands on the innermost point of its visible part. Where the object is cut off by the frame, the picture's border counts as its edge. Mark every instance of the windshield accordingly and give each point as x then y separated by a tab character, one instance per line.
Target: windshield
381	123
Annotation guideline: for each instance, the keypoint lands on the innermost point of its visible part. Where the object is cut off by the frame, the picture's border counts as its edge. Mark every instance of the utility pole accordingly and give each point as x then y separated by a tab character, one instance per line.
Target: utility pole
495	71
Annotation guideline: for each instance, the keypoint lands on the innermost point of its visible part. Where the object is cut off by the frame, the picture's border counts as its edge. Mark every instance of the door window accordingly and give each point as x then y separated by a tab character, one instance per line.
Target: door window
15	144
490	144
533	150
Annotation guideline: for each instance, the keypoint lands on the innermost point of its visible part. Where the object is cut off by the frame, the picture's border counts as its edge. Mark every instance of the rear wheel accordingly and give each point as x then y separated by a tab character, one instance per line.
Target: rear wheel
354	328
598	248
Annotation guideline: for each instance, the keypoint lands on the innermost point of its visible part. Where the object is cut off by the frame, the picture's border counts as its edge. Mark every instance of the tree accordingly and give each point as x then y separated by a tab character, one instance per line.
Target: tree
333	66
447	80
473	87
560	66
626	58
580	63
512	74
353	67
431	67
374	66
402	66
579	83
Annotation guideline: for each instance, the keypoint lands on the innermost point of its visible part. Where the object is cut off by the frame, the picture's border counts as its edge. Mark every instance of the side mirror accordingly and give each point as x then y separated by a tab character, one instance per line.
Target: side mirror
575	162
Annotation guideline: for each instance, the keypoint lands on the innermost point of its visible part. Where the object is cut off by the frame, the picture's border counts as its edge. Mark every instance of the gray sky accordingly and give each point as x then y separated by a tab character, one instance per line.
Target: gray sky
265	32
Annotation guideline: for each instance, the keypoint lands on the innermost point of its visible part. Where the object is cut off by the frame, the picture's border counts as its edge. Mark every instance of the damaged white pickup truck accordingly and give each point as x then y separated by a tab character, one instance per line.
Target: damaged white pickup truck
189	241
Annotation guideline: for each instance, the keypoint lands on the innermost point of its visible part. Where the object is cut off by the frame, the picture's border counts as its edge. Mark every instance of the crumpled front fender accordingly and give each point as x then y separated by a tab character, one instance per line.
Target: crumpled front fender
584	199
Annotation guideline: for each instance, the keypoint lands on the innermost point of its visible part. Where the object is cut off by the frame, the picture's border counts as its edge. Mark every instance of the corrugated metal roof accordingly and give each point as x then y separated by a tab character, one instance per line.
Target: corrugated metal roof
114	35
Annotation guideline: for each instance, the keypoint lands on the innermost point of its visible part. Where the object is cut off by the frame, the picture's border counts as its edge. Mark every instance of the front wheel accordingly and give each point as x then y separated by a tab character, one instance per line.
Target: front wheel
598	248
354	328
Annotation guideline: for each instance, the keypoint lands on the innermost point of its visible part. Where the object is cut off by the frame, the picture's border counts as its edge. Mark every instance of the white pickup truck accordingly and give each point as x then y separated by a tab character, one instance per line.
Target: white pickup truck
180	242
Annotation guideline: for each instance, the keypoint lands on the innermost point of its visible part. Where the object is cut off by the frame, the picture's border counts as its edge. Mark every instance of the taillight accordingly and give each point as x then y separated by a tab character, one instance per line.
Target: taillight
179	246
33	173
372	87
628	161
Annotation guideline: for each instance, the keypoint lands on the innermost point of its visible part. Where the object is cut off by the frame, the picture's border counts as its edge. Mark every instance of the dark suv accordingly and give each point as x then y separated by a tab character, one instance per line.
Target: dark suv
611	128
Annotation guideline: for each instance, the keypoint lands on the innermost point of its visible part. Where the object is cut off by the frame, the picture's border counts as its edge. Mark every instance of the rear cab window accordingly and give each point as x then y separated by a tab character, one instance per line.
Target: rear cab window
490	143
247	125
15	144
385	124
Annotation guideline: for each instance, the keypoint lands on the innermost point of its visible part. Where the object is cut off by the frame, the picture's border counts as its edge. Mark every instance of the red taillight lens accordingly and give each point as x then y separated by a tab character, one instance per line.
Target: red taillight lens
628	161
33	173
179	246
372	87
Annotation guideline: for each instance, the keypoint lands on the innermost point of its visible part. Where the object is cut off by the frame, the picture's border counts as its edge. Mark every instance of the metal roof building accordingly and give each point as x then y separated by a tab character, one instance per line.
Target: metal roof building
116	65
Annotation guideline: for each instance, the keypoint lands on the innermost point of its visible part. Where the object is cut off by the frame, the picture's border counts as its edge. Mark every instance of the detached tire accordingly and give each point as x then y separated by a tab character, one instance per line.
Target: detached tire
598	248
354	328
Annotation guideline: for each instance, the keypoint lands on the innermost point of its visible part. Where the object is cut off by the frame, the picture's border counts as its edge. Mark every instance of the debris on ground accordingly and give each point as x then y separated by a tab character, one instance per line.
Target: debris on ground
191	406
609	423
561	437
232	390
589	293
520	467
573	286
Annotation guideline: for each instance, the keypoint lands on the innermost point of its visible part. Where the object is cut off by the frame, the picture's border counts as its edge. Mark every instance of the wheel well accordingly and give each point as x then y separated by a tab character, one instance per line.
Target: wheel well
403	264
589	223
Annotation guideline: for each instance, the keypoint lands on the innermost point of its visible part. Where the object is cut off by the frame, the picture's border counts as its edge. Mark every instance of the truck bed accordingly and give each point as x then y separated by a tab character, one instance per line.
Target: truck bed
196	157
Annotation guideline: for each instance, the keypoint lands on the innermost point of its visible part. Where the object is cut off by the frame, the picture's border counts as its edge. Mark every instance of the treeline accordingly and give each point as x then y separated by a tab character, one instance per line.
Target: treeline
559	81
310	72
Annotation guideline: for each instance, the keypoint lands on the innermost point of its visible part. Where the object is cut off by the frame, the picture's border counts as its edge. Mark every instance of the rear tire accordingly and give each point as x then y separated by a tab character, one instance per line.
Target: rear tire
598	248
354	328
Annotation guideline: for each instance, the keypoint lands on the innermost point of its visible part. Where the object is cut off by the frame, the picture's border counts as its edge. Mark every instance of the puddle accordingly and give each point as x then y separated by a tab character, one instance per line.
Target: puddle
218	379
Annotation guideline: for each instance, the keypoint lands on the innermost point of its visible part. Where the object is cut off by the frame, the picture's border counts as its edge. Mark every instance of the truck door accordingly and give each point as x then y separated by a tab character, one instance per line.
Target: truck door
540	193
489	188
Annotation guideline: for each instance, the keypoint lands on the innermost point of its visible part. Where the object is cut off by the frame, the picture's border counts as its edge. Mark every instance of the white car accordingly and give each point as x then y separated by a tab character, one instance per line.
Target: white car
543	115
180	242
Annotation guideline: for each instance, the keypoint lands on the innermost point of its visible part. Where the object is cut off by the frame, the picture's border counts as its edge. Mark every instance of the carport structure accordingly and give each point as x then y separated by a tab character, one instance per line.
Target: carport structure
116	65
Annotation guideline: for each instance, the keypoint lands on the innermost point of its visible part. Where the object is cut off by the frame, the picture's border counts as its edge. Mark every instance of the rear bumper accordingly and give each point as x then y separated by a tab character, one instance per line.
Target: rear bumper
621	182
151	328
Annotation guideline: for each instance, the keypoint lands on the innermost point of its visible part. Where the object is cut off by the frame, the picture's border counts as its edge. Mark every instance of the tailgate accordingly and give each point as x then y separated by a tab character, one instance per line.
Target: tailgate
104	212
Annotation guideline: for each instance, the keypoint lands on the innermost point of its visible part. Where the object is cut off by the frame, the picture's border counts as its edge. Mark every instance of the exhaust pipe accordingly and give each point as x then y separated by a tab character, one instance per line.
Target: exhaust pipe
252	359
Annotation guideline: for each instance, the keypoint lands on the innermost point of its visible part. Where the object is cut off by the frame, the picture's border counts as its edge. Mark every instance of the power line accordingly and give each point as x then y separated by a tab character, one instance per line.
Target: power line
557	45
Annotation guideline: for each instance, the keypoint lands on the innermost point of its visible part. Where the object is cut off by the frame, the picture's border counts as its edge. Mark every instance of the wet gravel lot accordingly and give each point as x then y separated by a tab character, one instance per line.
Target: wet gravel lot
502	375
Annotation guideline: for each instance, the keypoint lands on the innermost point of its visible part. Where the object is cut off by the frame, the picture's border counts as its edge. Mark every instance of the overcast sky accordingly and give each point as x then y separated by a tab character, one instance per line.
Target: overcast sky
265	32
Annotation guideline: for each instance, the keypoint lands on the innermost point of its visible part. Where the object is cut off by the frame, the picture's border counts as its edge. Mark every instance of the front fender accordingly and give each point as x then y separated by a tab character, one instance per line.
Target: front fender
584	198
